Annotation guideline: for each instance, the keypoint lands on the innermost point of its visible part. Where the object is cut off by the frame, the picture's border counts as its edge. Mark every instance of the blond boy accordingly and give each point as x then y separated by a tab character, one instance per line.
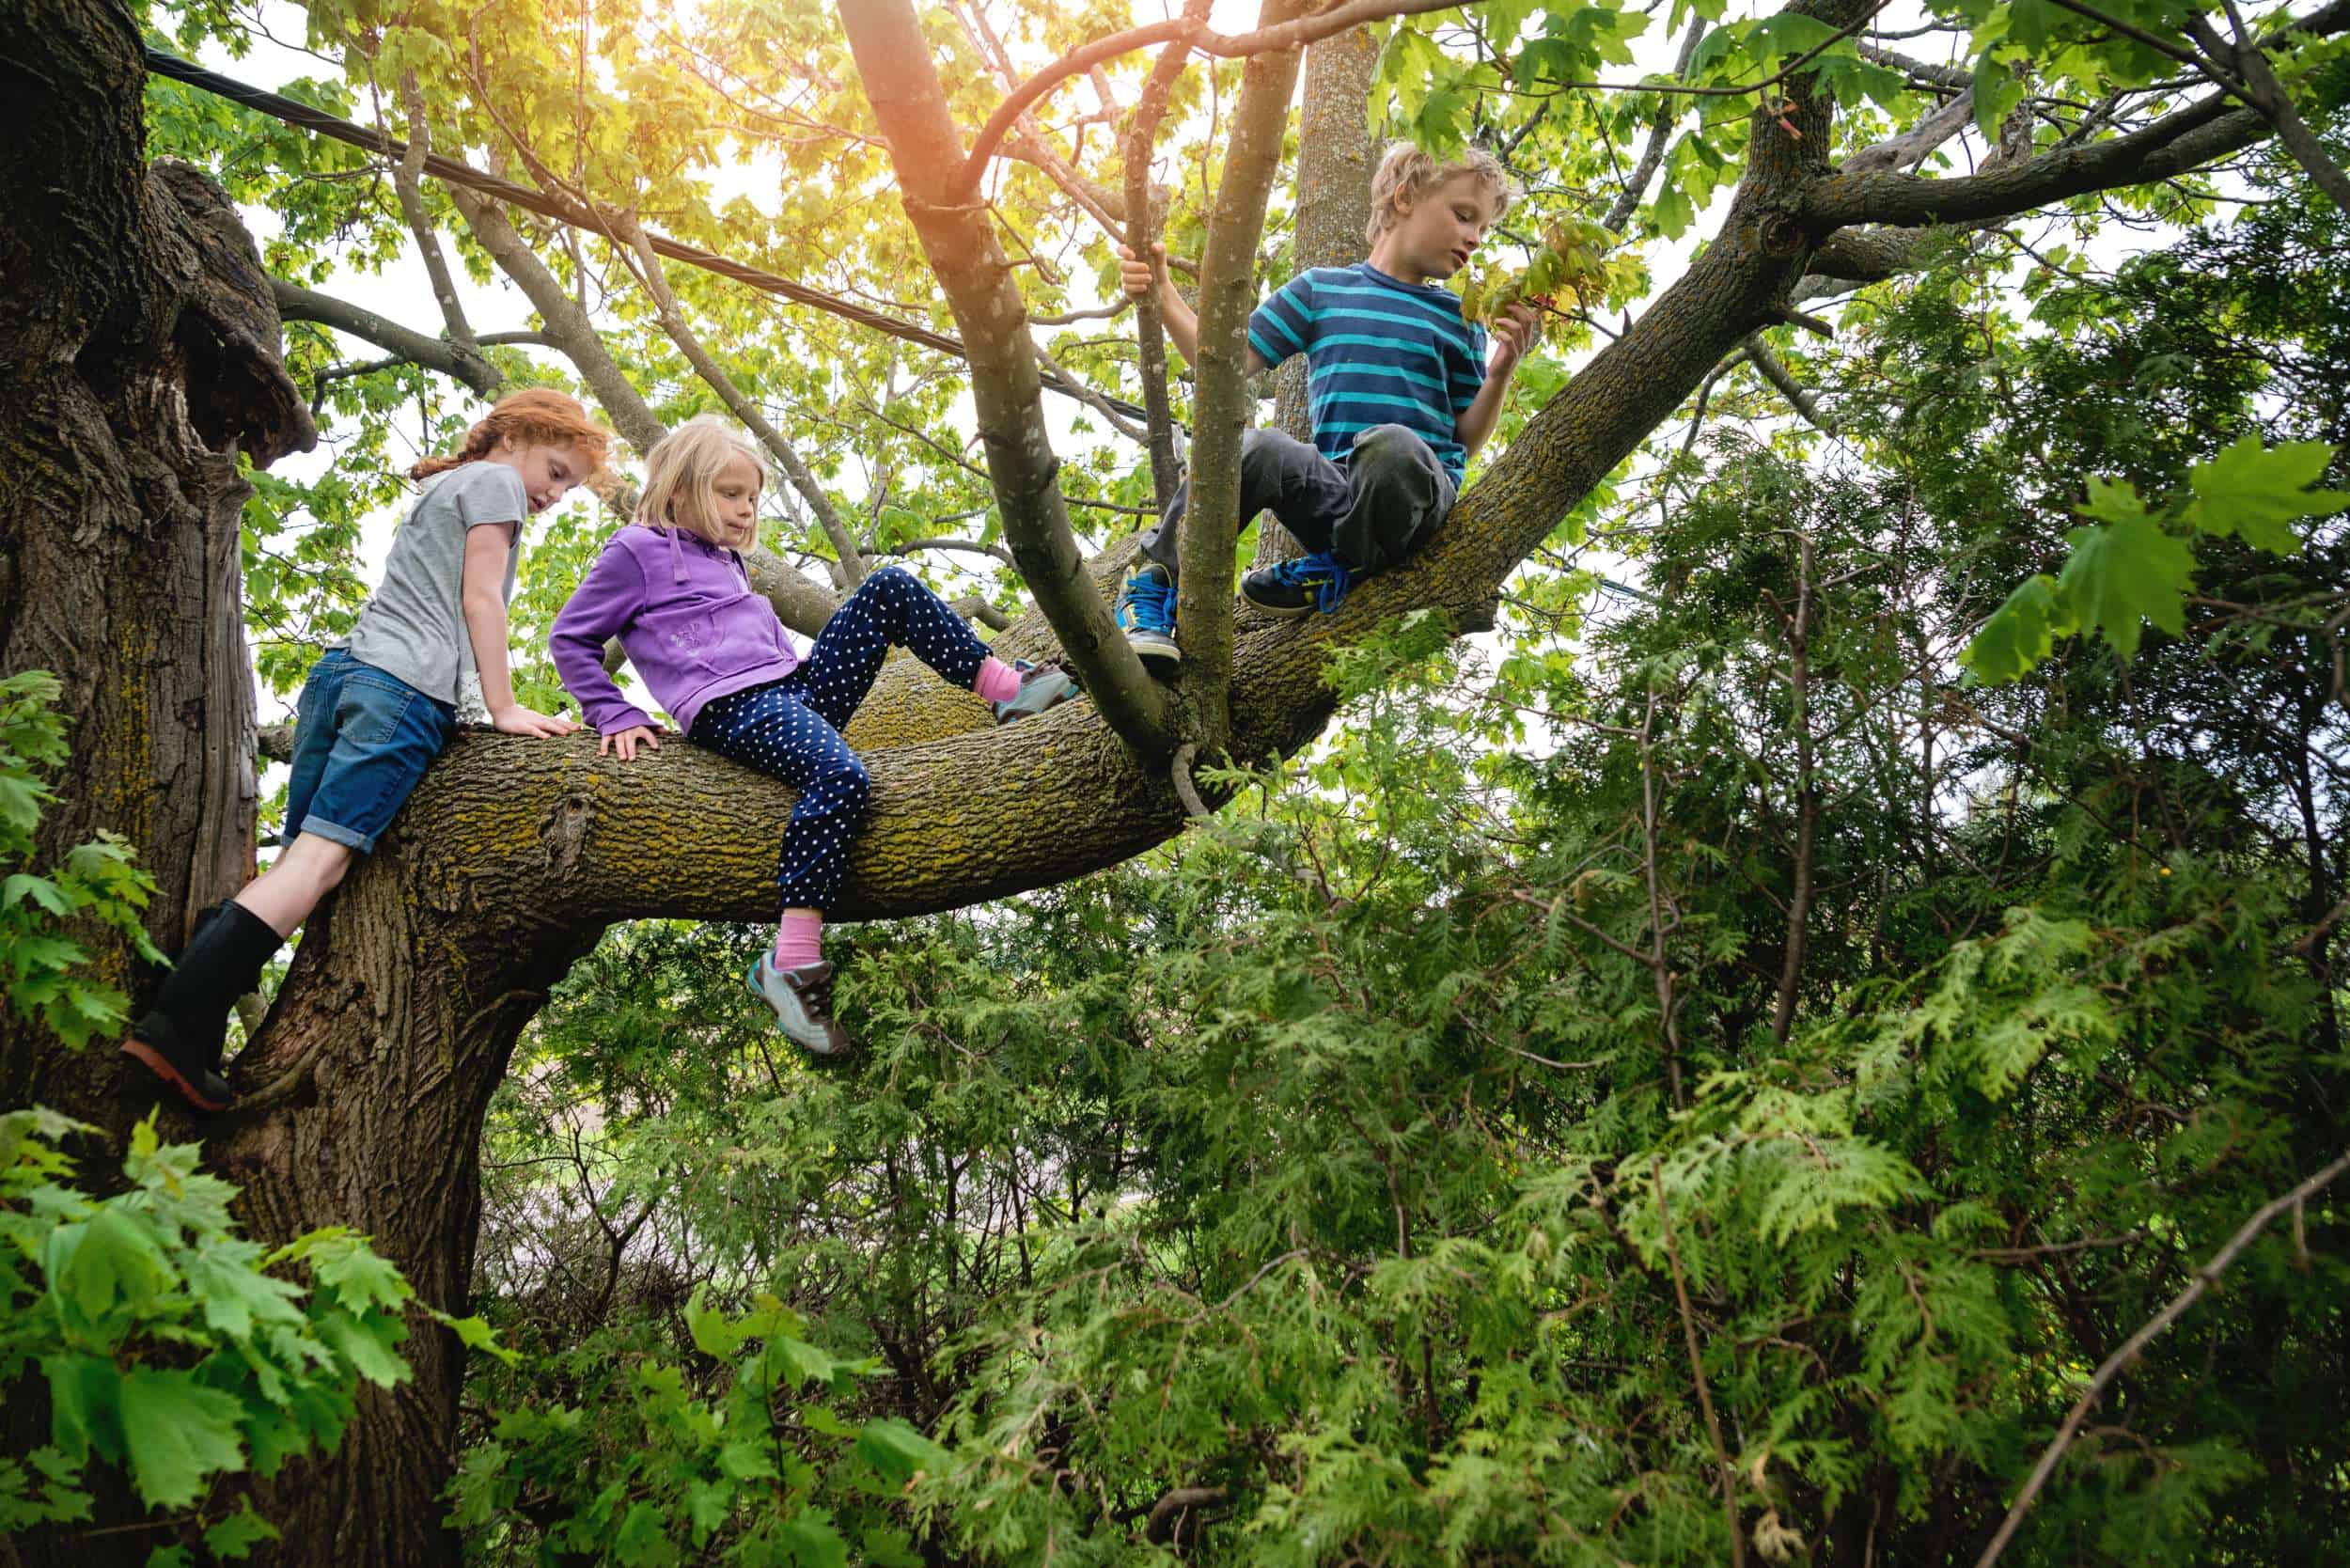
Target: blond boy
1401	388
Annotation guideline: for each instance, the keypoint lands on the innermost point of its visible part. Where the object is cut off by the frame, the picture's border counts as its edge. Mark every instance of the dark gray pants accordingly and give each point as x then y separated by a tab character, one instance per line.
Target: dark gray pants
1371	514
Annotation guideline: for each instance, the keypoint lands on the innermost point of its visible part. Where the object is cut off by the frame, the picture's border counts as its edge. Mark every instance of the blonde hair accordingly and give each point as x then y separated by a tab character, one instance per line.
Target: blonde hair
537	415
1406	171
682	472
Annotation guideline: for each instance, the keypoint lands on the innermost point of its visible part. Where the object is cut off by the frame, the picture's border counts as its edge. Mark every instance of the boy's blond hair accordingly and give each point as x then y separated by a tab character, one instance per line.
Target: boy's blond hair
1406	171
681	472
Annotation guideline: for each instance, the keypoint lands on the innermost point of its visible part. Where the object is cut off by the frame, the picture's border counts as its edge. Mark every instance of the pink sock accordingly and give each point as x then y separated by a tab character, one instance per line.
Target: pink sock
996	681
798	941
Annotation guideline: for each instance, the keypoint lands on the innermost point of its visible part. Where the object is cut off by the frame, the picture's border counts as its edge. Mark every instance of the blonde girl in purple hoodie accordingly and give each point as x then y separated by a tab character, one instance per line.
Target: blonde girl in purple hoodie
671	585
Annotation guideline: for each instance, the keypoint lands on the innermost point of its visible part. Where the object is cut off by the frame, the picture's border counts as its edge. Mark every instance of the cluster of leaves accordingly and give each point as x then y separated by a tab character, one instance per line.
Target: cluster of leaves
2135	565
171	1348
729	1457
99	881
1572	260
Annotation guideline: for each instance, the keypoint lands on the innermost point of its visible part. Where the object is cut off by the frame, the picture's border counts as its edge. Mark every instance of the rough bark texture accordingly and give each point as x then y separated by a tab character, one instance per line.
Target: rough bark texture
138	355
138	352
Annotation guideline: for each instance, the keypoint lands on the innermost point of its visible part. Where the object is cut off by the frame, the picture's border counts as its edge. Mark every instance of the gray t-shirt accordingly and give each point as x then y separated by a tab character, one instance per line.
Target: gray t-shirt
414	626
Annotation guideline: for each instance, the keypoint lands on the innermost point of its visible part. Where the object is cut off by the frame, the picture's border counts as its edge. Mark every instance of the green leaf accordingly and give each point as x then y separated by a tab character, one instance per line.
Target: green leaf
2020	632
813	1540
237	1535
897	1452
367	1346
236	1294
350	1268
1997	90
179	1435
642	1542
2258	494
2124	574
84	1405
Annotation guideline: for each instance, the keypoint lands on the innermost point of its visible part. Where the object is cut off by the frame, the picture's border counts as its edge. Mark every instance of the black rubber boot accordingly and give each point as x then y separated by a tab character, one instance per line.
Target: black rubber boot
180	1038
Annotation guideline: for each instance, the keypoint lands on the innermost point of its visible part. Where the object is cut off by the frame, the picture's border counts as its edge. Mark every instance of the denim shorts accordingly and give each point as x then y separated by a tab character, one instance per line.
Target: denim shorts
362	739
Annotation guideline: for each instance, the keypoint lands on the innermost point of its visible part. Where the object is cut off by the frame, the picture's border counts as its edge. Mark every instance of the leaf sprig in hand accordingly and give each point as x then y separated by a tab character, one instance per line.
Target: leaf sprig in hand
1572	261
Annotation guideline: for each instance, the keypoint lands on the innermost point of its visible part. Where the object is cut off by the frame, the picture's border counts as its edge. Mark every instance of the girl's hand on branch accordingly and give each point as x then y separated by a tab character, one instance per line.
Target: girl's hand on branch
1139	278
515	719
626	741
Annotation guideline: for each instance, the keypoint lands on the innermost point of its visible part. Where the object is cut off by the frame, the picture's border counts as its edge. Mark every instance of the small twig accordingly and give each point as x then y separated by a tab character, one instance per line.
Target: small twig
1185	791
2111	1368
1166	1515
1696	1368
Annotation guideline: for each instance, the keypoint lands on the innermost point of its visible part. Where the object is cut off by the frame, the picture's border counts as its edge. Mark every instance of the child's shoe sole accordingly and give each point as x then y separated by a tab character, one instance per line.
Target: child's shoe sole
208	1092
1154	647
1279	612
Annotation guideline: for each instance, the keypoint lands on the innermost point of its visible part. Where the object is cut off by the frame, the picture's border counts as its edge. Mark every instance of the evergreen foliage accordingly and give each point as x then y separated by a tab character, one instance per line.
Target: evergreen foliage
1721	967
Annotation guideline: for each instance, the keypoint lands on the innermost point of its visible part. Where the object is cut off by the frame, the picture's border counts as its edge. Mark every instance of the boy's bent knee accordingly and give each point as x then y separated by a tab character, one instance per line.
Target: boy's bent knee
1393	446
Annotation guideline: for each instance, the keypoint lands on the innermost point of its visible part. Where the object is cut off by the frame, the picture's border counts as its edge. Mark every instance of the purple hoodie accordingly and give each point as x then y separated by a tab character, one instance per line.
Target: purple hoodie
684	611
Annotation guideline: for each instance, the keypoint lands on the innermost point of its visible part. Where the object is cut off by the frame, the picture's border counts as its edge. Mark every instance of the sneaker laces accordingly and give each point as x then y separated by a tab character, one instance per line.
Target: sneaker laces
816	997
1324	577
1153	598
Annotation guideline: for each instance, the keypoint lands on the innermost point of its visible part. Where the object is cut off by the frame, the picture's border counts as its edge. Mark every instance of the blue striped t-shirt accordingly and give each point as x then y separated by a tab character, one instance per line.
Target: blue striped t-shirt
1378	352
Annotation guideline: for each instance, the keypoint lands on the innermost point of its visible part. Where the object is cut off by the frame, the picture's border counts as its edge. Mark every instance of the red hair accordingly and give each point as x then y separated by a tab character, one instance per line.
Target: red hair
535	415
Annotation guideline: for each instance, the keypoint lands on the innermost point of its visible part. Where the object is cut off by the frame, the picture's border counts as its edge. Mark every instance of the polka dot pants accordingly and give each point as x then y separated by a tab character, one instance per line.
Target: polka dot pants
791	728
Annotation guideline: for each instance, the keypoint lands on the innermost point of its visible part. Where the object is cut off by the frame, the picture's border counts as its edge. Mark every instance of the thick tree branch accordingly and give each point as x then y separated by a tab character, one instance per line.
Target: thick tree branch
2179	143
1220	402
901	83
1911	147
746	412
406	345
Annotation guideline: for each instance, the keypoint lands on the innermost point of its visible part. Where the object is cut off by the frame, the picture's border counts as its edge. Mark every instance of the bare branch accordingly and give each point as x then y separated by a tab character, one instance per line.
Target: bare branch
746	412
967	546
2112	1366
407	181
1142	232
407	345
1776	374
463	176
1697	1371
1191	35
1659	132
566	324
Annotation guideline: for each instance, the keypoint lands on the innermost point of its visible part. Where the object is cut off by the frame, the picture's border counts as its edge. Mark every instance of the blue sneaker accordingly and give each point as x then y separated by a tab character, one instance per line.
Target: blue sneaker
1292	588
1146	613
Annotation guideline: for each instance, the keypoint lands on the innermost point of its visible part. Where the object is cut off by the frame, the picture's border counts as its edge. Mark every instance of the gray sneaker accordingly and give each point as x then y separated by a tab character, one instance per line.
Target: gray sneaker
1042	686
802	999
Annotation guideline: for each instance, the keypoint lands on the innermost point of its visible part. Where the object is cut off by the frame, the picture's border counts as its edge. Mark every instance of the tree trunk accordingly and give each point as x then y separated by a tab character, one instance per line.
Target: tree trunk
138	355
